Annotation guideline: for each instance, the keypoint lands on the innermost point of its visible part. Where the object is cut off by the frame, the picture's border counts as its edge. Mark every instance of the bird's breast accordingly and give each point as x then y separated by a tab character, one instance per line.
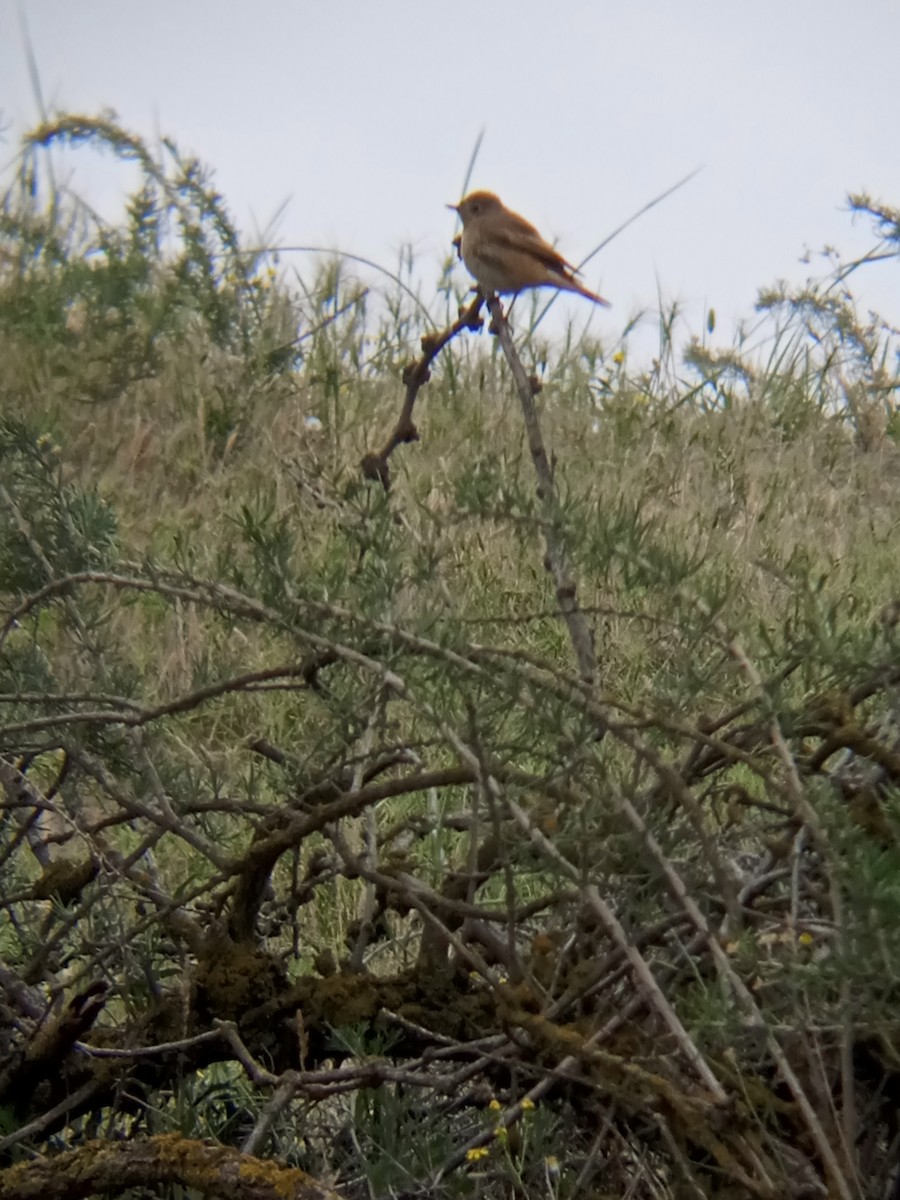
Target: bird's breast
486	263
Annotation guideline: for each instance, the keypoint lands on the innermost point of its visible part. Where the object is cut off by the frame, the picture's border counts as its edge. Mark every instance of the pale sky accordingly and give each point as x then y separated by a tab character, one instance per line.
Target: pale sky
362	115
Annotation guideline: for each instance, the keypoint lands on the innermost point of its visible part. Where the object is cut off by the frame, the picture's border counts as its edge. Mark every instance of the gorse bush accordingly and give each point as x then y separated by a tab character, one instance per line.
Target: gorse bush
52	528
317	838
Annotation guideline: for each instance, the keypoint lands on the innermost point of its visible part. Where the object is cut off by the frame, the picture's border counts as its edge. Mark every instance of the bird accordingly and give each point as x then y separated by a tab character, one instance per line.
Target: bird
506	254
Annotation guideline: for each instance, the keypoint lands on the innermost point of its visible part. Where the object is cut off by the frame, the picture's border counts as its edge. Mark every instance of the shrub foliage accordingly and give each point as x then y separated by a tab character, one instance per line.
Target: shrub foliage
314	839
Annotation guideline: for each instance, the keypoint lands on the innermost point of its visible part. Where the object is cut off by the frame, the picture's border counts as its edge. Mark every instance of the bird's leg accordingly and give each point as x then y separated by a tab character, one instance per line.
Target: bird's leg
495	309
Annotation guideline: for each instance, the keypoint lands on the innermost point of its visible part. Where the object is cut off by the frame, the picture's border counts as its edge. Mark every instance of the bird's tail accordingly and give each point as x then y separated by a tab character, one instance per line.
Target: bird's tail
572	285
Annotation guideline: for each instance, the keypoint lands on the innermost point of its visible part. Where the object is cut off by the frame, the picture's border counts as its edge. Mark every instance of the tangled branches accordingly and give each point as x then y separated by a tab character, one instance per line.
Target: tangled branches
614	927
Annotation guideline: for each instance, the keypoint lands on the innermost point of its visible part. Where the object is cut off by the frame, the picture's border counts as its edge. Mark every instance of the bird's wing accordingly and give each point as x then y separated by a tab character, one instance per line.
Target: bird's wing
520	235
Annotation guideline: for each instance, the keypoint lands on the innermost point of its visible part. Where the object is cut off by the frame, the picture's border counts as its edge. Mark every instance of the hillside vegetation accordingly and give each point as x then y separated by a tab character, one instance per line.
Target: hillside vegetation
326	864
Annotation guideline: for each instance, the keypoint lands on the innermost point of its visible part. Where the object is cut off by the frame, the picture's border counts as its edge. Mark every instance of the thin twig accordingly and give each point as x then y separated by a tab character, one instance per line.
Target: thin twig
280	1099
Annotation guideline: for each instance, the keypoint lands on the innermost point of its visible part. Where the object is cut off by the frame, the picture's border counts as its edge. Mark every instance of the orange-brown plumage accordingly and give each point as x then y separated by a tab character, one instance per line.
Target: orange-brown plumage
506	254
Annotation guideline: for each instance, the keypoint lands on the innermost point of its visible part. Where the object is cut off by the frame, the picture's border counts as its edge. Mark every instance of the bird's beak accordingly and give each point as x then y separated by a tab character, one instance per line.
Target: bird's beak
455	207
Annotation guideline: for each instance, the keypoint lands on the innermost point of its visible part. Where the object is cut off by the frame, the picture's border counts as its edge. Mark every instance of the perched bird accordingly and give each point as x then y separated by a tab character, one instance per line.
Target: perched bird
506	254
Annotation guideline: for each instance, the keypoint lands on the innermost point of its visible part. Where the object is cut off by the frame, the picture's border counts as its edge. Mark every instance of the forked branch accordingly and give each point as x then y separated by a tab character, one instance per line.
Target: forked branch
556	558
415	375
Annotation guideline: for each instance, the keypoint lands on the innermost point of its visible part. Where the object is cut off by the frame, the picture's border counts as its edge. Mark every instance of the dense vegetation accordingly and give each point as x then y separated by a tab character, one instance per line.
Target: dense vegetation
325	861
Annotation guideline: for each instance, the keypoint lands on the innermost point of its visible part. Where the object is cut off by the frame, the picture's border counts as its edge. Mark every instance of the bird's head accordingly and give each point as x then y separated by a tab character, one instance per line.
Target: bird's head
475	205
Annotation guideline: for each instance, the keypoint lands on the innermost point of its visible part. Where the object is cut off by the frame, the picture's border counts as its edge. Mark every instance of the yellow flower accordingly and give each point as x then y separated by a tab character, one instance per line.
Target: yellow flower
495	1105
527	1104
501	1133
619	357
477	1153
551	1162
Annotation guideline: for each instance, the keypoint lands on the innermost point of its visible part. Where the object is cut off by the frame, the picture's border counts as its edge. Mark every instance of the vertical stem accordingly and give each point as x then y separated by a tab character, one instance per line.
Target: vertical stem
556	558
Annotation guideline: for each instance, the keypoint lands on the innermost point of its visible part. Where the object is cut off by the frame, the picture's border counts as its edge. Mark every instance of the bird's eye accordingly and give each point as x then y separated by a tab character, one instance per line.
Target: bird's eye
476	209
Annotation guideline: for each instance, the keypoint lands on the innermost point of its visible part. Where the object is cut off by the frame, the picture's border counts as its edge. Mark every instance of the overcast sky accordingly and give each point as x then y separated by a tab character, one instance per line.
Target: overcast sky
362	115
